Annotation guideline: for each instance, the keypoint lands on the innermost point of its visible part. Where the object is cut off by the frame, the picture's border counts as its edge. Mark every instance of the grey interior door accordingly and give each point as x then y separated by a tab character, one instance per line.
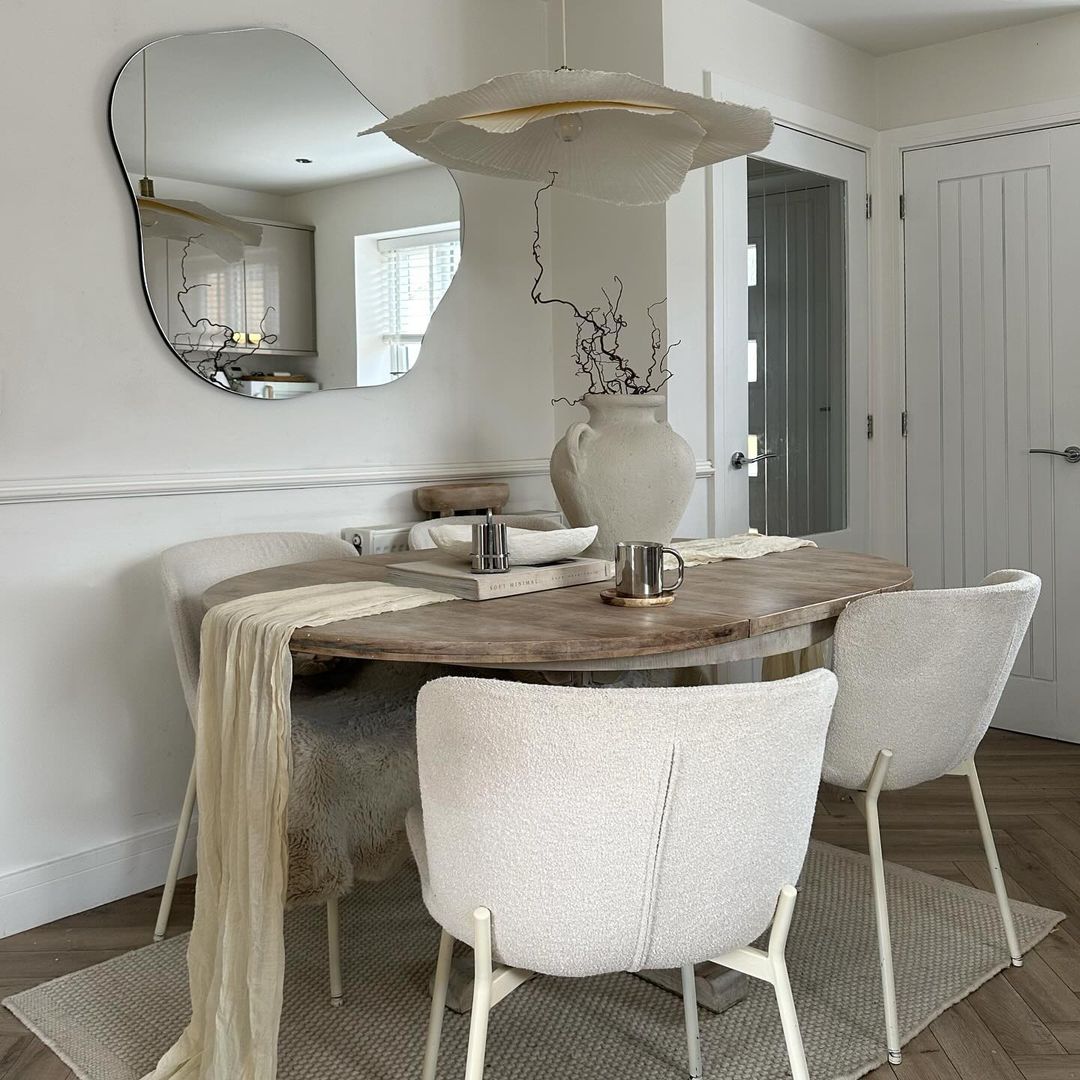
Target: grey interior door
992	273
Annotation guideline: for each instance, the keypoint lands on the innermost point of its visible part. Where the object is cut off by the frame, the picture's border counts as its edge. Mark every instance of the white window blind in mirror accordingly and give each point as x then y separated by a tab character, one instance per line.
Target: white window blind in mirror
415	271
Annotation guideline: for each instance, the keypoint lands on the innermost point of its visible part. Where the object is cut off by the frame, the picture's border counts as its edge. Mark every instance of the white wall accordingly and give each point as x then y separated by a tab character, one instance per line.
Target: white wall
1021	65
586	243
749	45
95	742
225	200
423	196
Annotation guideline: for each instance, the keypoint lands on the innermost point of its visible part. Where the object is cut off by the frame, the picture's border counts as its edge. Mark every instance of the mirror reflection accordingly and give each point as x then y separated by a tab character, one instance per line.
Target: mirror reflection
281	253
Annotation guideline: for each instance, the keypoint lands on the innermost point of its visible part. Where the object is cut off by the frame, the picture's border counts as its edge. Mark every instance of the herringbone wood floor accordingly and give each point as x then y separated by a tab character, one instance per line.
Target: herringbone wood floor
1022	1025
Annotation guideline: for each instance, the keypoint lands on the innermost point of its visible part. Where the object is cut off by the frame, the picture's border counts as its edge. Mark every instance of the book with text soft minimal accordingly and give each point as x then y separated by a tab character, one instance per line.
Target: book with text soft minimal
450	575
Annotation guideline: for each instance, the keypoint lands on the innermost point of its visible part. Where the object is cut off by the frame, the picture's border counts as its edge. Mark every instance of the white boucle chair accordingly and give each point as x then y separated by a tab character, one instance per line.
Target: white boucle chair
187	571
573	831
921	674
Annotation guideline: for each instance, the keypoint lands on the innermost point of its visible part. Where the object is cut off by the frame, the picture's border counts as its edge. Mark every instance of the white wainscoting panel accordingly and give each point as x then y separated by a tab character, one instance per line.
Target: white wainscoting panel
97	742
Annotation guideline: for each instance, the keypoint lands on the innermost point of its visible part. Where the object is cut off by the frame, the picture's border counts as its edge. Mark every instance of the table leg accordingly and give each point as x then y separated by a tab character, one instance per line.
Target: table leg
459	991
718	988
784	665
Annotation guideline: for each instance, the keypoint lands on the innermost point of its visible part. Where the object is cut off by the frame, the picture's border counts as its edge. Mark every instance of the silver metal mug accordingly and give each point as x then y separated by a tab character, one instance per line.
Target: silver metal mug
639	569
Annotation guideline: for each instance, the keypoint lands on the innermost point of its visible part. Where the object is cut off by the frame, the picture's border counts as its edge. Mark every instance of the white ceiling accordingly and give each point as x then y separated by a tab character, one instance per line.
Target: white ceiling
888	26
238	108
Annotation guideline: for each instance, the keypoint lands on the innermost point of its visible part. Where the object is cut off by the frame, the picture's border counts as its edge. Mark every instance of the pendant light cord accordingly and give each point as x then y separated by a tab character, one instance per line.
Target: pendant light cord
145	167
146	185
564	65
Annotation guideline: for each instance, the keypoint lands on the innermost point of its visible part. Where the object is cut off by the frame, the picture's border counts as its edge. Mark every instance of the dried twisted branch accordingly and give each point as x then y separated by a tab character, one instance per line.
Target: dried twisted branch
204	355
597	350
658	368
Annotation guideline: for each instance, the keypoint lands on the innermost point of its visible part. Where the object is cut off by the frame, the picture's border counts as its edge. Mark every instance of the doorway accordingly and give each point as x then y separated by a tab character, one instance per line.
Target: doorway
796	350
800	397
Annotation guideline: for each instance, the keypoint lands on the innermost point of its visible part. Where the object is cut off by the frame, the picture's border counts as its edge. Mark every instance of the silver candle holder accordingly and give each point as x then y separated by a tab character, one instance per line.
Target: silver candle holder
490	553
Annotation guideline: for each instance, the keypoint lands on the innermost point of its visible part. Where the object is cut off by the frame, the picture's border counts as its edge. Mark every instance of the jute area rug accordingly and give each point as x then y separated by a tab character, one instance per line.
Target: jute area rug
112	1021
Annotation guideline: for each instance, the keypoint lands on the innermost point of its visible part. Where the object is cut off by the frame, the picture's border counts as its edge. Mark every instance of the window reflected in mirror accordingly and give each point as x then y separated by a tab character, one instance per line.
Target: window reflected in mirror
796	350
281	253
401	277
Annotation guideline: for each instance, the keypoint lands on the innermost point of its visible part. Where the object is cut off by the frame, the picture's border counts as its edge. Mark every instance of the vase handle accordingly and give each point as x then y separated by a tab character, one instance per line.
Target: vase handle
575	443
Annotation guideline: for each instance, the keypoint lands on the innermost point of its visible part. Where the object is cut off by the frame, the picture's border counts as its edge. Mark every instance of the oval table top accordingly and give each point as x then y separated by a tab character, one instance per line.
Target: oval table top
725	611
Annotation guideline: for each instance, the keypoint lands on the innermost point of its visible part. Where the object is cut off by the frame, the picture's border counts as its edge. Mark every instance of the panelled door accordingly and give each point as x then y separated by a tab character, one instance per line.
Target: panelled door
992	282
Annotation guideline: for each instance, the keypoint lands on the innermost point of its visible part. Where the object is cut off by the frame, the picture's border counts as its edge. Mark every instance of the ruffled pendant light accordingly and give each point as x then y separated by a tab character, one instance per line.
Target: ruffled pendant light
182	219
614	137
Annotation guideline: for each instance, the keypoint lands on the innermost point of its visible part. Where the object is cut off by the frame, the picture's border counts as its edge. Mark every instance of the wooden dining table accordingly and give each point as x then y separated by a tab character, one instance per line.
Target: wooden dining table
733	610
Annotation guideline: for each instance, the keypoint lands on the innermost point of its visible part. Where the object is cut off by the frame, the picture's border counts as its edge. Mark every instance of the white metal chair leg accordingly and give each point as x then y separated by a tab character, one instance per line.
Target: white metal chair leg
881	906
182	828
789	1020
771	967
992	858
693	1040
438	1005
333	941
481	1003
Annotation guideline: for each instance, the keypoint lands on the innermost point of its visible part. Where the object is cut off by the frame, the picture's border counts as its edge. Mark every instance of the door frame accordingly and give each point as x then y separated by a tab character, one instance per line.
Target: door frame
828	158
726	323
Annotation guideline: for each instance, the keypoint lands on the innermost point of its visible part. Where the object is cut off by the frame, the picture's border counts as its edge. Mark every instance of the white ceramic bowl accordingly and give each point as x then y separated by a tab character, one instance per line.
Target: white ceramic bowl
528	547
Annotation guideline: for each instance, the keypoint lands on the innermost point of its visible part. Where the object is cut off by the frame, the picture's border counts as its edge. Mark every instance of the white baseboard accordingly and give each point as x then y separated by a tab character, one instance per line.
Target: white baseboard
40	894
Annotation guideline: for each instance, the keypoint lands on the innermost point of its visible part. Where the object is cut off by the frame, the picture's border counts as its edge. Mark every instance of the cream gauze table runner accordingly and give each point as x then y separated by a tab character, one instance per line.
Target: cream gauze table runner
741	546
236	956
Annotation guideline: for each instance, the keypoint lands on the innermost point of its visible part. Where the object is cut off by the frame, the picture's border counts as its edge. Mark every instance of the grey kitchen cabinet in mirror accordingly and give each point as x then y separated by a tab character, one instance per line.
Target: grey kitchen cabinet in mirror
281	252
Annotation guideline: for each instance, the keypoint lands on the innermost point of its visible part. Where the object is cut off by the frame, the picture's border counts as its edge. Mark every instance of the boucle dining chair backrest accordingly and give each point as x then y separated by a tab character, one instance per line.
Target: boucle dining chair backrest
616	829
420	533
921	674
188	570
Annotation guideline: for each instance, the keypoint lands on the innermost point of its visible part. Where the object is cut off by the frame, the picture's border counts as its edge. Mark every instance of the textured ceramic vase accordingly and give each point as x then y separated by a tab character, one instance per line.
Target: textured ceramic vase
625	471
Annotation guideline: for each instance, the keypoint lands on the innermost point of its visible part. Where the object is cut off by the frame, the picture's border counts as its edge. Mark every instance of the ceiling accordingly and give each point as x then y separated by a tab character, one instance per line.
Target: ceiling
888	26
238	108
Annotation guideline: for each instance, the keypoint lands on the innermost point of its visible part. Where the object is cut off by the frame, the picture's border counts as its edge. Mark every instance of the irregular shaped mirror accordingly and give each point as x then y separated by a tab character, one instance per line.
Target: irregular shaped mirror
281	253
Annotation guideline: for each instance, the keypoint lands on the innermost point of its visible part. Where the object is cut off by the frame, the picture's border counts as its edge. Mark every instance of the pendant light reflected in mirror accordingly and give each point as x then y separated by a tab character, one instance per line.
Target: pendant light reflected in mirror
177	219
